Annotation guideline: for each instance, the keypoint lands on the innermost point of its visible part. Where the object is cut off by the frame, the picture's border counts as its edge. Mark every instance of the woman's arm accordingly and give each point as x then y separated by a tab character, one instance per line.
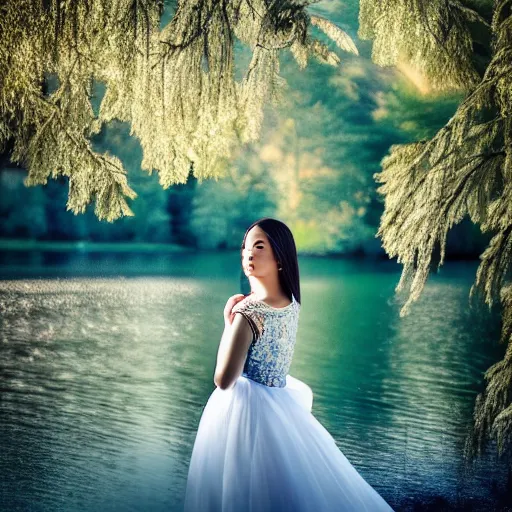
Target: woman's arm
233	348
221	353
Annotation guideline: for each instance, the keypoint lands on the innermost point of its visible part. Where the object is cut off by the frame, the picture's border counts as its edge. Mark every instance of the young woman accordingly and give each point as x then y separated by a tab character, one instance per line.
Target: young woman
258	447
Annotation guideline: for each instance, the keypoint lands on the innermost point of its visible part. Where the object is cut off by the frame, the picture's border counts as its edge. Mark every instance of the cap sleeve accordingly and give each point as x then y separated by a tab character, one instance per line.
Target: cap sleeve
252	311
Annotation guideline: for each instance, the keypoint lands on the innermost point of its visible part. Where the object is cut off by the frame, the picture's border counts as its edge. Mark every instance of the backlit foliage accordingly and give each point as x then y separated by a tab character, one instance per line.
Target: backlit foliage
465	169
175	86
431	36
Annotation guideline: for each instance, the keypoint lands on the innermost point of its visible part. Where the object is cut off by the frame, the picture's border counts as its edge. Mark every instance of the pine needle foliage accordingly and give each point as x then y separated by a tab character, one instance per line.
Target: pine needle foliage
464	169
432	36
174	85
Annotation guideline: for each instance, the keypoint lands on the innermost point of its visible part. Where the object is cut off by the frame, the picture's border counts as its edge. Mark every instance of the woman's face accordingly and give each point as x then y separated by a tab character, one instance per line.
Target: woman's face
258	258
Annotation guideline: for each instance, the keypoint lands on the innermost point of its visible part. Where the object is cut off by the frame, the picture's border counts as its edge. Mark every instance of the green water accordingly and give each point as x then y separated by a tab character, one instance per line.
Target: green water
106	363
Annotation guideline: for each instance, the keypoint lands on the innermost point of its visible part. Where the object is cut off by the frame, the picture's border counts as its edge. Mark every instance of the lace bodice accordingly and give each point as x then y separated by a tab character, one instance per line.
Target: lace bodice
274	333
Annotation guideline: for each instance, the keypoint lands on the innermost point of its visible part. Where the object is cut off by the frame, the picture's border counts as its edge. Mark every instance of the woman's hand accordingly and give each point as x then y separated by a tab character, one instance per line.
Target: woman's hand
234	299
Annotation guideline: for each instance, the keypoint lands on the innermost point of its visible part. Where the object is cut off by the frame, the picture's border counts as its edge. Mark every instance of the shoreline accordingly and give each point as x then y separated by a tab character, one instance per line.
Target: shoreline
80	246
8	245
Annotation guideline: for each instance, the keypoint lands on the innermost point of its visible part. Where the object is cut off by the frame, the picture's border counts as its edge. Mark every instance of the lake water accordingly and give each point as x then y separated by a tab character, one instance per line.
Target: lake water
106	364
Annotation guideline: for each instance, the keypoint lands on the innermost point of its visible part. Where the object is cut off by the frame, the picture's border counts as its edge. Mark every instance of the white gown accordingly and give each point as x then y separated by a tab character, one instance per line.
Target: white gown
258	447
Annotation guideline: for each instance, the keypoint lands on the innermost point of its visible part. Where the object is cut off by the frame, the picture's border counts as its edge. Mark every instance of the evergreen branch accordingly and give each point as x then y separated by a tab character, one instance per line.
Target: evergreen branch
340	37
470	14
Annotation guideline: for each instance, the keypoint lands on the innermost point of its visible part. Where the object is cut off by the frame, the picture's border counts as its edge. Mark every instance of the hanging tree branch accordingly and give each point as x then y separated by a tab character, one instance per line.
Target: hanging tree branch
175	86
465	169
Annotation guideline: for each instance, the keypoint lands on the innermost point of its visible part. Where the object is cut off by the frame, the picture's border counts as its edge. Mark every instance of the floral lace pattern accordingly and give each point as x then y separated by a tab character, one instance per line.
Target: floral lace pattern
274	333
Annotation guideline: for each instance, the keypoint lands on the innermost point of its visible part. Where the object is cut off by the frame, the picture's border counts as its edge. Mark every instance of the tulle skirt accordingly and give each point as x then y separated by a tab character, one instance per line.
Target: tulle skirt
260	449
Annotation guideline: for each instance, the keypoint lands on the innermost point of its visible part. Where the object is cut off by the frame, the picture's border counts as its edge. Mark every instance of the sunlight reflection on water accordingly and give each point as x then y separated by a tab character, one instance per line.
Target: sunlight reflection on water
103	382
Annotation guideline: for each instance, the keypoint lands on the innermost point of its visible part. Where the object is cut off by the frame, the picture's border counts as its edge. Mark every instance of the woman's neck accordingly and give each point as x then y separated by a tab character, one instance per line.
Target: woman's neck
267	290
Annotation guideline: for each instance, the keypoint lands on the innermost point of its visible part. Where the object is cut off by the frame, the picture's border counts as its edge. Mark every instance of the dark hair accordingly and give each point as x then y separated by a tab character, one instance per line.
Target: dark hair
282	243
